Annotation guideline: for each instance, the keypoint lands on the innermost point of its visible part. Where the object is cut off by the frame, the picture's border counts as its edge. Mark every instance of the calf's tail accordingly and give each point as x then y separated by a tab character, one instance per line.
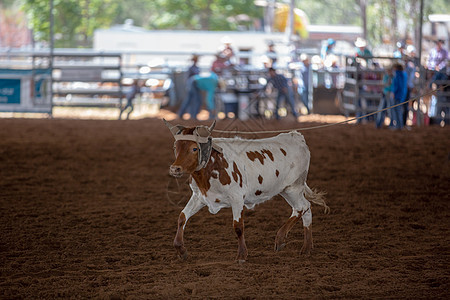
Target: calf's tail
316	197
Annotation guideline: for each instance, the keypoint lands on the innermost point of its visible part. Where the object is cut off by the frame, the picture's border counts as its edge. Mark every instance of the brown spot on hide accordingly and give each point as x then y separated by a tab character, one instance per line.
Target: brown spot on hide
237	174
258	192
252	155
277	173
268	153
203	176
217	201
284	152
260	179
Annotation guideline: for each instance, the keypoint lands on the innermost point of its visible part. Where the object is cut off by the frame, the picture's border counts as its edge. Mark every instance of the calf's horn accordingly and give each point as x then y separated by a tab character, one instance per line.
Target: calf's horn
174	129
211	128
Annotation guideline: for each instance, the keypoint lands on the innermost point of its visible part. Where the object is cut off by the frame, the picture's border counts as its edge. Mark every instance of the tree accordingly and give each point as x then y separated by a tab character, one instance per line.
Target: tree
204	14
75	20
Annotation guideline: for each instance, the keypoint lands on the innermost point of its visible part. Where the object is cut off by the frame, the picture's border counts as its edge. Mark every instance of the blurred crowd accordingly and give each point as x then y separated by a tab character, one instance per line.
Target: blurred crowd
292	83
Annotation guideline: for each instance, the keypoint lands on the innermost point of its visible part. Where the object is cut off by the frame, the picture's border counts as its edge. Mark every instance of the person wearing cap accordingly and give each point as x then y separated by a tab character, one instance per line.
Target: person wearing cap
327	49
227	51
361	48
438	56
400	52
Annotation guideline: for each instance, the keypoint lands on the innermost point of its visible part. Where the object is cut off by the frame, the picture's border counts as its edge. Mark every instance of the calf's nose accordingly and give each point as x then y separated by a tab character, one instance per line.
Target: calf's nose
175	170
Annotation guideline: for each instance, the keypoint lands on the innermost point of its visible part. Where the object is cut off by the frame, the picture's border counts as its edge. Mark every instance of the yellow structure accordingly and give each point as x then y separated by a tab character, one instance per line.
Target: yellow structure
301	21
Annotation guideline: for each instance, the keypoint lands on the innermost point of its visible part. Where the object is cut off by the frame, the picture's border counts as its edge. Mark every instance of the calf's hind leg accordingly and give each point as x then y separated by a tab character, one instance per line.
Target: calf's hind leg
300	208
238	225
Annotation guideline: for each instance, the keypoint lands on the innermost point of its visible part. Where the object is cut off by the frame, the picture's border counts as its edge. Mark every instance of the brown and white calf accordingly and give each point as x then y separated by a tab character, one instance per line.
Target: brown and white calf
234	172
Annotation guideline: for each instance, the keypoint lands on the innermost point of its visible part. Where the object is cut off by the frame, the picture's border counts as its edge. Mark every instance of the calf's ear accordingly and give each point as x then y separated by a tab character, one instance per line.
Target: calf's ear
174	129
205	131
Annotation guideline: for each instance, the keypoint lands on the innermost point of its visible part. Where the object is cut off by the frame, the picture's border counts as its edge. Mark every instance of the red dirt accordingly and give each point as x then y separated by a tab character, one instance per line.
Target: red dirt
88	211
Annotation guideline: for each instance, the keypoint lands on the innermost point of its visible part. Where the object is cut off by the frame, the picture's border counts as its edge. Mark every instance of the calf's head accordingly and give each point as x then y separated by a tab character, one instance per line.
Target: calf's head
192	147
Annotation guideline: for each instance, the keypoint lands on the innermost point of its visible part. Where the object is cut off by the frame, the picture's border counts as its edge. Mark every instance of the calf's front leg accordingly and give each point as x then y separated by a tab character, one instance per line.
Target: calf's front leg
192	207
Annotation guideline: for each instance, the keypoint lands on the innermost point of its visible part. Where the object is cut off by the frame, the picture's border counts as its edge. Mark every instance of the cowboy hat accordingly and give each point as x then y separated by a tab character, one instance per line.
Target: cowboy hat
360	42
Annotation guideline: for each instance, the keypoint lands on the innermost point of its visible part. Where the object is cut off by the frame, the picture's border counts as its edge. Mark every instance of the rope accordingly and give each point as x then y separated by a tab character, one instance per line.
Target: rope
332	124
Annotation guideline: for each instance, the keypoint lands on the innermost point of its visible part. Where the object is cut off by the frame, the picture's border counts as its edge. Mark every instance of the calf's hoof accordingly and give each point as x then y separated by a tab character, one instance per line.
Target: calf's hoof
181	251
241	261
306	249
279	247
183	256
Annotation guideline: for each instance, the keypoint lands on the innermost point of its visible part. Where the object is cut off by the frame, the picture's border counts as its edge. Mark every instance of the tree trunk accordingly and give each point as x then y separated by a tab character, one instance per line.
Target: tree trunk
394	20
205	16
363	8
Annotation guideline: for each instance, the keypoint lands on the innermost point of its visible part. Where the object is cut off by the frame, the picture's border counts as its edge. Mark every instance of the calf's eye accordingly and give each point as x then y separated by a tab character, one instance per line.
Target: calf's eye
194	149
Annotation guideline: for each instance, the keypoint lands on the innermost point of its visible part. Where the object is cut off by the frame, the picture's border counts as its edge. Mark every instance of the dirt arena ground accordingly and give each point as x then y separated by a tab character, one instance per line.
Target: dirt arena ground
88	211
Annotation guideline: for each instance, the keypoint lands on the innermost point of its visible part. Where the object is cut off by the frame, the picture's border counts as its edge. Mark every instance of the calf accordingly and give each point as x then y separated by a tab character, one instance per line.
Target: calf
234	172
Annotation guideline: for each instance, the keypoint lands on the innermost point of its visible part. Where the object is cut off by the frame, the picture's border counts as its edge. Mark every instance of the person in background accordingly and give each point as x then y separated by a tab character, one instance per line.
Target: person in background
191	72
303	82
386	99
361	48
400	52
193	69
437	58
202	82
130	95
220	64
327	49
271	54
227	51
361	51
399	89
280	83
411	67
437	66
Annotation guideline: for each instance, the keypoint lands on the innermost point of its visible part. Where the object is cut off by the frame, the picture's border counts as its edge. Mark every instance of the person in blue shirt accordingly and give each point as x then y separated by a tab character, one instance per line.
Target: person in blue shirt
201	82
327	49
399	89
386	100
280	83
400	52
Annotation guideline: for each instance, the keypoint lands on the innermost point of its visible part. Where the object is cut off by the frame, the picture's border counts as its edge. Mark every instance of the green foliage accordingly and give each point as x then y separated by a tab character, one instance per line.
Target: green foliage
76	20
331	12
203	14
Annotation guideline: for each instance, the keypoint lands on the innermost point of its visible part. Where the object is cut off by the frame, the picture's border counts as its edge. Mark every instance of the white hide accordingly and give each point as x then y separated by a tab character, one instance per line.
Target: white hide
290	182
